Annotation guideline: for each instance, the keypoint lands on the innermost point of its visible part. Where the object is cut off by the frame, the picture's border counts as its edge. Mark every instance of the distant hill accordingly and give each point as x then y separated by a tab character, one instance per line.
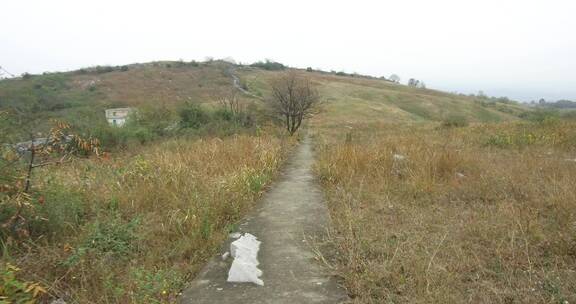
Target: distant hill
81	96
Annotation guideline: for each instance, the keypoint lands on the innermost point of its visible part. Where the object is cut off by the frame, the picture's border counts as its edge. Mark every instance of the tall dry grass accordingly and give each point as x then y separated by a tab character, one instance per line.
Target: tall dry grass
134	229
461	219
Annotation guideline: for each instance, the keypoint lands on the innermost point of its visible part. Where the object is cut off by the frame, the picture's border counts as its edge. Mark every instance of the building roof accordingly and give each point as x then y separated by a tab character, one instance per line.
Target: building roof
118	112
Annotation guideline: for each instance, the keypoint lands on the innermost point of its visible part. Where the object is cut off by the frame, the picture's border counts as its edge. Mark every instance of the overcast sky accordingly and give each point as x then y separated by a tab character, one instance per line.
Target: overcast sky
523	49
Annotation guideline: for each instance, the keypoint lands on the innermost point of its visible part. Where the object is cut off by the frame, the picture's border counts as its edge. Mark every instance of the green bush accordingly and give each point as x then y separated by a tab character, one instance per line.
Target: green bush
103	69
157	120
269	65
193	116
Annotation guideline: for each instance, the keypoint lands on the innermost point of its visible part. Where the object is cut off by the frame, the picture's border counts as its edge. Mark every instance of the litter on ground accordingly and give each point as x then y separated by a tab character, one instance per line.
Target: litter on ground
244	268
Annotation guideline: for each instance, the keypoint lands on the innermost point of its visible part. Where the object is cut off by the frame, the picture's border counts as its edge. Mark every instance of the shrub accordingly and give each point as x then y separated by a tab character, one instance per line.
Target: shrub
269	65
224	114
455	121
193	116
103	69
156	119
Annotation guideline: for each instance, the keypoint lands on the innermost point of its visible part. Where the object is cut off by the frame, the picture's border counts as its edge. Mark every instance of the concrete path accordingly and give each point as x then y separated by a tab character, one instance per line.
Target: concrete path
236	83
289	214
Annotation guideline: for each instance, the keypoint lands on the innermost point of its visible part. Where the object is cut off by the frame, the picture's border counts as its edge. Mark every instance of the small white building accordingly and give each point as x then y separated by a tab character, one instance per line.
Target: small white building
118	116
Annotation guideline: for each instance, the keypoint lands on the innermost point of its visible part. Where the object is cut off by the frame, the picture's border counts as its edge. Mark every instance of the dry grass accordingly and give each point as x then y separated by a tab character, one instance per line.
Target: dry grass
156	84
352	100
141	225
463	218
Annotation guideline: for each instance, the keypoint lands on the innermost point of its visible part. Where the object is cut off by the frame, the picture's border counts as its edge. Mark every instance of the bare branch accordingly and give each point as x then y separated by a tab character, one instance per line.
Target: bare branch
294	98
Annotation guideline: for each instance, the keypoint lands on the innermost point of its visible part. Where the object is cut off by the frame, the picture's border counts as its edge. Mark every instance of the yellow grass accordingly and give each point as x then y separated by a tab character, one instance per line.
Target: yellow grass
464	218
353	100
147	222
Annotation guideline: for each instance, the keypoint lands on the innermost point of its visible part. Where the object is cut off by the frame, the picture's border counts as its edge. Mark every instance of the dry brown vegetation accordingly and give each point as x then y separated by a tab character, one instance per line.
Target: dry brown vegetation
133	228
352	100
481	214
162	82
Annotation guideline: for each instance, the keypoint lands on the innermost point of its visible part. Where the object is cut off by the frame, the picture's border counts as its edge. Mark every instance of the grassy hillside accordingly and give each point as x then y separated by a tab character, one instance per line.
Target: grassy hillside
80	97
354	100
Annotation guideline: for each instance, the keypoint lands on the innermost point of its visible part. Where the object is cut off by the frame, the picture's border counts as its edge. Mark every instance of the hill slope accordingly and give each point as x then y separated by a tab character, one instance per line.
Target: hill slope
81	96
353	100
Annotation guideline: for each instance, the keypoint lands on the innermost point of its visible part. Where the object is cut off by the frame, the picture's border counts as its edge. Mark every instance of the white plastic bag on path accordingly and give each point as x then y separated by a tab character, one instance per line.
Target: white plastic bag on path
245	265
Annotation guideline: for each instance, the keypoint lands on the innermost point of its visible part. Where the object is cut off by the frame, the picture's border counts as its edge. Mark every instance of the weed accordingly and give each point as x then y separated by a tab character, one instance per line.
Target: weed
156	286
14	290
112	237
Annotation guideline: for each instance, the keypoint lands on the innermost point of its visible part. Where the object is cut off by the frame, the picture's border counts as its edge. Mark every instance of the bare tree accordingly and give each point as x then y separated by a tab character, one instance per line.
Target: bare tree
293	99
229	100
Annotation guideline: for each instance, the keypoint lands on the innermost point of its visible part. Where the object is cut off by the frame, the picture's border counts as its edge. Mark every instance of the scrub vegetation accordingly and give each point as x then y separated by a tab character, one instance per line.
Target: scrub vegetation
135	214
448	213
134	227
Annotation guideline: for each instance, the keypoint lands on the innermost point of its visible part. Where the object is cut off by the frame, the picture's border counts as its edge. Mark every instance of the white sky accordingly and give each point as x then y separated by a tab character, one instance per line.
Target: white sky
522	49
